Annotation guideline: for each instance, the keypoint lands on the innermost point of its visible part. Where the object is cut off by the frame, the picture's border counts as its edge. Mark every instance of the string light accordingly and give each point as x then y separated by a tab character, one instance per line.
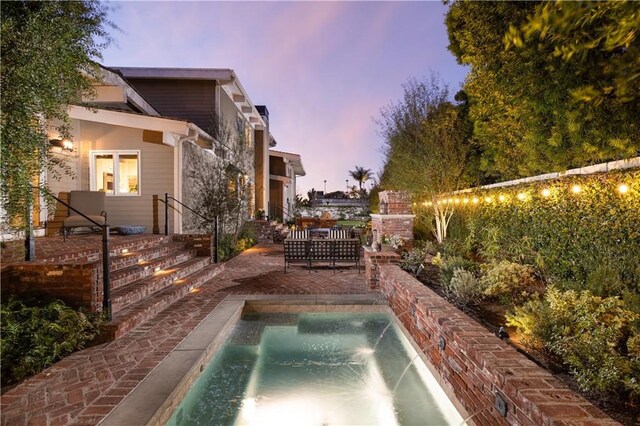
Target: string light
576	189
425	203
546	192
450	200
465	200
502	198
457	201
623	188
487	199
475	200
429	203
521	196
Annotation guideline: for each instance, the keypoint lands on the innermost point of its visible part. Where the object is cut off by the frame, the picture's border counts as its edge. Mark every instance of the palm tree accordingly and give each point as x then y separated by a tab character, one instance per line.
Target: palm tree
361	175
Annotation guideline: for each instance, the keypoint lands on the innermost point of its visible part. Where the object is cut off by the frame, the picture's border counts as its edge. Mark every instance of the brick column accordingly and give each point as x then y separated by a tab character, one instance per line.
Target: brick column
395	216
372	260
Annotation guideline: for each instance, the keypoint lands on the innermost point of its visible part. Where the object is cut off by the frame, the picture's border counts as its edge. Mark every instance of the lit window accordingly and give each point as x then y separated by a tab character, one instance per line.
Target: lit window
115	172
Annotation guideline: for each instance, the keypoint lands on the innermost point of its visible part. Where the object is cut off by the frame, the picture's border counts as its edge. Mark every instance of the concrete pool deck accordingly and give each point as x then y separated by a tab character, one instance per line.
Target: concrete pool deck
86	386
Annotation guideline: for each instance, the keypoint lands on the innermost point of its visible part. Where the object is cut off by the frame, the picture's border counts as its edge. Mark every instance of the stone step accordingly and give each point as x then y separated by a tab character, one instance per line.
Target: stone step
147	308
146	268
137	290
130	257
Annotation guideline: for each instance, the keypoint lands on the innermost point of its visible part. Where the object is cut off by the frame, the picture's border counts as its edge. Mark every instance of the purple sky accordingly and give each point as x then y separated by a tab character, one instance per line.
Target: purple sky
324	69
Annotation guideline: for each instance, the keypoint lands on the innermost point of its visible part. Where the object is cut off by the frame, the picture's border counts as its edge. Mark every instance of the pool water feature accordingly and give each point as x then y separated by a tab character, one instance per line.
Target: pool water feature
315	369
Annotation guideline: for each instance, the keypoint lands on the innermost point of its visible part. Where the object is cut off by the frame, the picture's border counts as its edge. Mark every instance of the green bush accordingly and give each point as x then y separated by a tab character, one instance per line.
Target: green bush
509	281
412	260
566	235
465	287
34	337
448	264
596	337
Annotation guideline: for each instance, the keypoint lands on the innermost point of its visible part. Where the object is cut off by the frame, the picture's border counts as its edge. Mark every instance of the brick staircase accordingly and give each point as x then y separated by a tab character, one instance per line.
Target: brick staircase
270	231
147	274
148	278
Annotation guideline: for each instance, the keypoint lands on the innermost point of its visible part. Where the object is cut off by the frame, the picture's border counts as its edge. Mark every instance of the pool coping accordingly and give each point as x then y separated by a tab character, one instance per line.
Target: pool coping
156	396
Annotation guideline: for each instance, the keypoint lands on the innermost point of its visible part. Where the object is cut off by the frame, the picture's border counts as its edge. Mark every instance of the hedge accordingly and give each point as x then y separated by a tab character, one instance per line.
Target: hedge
575	237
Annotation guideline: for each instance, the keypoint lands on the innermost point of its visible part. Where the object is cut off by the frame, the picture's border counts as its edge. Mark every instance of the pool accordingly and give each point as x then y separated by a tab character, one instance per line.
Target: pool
315	369
292	360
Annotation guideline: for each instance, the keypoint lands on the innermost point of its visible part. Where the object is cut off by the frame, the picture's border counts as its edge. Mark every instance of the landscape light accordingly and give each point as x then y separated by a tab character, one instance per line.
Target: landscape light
546	192
623	188
576	189
521	196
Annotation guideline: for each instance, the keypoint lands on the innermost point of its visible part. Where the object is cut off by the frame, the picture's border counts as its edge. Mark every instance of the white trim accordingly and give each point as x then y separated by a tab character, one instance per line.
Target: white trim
392	216
631	163
116	176
124	119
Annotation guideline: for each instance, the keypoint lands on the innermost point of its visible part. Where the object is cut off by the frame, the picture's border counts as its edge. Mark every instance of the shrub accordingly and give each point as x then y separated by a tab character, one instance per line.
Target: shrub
412	260
567	236
34	337
594	336
465	287
448	264
508	281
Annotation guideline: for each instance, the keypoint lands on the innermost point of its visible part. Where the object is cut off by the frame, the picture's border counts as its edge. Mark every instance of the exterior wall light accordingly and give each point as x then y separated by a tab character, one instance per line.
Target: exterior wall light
65	144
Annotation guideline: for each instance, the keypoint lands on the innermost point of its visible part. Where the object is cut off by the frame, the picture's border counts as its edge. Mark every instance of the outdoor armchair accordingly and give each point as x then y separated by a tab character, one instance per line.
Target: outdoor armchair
90	203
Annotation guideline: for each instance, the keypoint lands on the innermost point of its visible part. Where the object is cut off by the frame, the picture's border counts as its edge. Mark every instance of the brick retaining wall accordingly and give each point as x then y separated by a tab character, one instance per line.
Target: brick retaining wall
481	370
79	285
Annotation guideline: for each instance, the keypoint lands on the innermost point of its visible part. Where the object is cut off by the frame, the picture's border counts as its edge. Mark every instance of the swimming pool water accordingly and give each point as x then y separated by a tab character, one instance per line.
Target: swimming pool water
315	369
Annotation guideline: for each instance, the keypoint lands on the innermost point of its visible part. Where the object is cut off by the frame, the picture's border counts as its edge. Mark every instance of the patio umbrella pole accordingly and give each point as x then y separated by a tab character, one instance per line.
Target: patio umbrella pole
106	296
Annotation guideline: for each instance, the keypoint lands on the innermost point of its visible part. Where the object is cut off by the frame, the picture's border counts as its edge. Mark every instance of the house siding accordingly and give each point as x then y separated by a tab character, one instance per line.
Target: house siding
192	100
156	165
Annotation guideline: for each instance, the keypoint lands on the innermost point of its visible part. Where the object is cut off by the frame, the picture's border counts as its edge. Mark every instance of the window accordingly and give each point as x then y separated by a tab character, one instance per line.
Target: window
115	172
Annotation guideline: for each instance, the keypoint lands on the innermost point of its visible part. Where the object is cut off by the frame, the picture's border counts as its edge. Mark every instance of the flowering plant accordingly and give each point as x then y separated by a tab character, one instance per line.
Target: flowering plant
394	241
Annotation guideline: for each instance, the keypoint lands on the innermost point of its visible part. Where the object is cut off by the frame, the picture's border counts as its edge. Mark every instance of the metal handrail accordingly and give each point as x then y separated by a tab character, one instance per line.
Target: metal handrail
285	211
106	278
167	197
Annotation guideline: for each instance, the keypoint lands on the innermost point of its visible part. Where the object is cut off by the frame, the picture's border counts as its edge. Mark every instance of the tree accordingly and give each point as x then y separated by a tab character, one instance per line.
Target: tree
218	185
48	49
427	147
361	175
552	85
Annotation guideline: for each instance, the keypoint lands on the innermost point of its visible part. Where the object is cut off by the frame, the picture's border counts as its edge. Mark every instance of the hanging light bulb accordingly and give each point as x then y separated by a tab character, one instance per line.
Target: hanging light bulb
487	199
623	188
475	200
521	196
576	189
546	192
502	197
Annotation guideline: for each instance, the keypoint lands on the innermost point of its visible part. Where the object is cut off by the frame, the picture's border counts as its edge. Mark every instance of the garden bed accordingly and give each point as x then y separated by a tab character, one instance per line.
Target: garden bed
491	314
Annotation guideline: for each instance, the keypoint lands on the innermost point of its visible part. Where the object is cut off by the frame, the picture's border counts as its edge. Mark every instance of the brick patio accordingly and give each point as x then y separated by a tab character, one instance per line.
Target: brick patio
84	387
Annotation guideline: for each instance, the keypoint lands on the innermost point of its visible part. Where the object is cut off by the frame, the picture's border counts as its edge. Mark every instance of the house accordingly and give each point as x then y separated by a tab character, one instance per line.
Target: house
145	131
284	168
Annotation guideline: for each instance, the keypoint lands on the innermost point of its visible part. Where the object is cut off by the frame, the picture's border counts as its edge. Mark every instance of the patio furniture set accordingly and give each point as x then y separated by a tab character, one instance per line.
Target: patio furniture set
330	246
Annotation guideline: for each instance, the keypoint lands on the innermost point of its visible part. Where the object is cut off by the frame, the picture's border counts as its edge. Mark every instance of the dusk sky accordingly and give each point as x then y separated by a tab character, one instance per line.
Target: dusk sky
324	69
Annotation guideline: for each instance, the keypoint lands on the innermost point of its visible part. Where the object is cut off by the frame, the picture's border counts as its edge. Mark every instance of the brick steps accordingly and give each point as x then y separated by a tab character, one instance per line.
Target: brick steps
136	314
137	290
146	269
134	256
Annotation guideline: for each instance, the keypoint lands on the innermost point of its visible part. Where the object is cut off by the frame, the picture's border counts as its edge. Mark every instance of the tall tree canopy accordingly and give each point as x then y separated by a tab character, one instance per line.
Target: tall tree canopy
427	146
552	84
48	50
